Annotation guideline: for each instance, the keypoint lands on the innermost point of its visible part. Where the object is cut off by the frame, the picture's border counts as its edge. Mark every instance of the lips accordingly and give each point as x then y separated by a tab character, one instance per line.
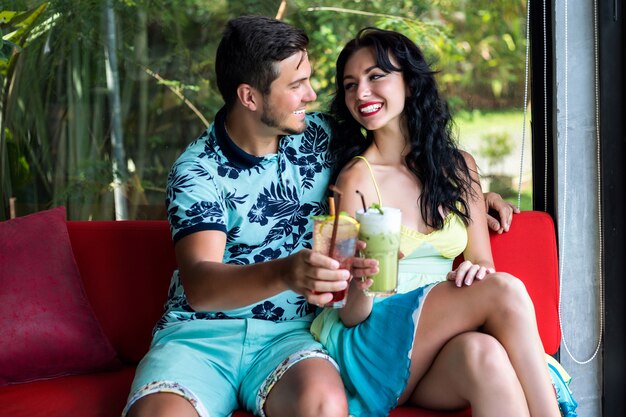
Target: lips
370	108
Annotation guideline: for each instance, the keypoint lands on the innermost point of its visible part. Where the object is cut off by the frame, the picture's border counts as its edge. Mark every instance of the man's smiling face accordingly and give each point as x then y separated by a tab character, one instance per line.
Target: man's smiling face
284	107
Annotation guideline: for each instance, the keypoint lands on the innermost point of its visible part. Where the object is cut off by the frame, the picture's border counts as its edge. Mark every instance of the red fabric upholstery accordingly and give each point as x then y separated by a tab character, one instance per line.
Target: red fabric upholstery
47	327
528	251
414	412
126	267
96	395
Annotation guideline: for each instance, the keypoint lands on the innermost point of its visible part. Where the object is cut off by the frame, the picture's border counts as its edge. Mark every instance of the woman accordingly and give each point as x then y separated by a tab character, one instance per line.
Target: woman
474	339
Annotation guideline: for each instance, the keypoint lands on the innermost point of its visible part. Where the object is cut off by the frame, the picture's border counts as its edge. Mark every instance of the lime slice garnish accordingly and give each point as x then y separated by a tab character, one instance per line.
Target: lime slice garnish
344	218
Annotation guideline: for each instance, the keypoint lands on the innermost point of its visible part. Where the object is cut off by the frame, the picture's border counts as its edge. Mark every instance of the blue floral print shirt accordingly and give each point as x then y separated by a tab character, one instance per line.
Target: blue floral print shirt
263	204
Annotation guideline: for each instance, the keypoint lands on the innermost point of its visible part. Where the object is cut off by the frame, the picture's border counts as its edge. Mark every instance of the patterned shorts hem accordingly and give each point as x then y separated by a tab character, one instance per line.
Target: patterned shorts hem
280	370
170	387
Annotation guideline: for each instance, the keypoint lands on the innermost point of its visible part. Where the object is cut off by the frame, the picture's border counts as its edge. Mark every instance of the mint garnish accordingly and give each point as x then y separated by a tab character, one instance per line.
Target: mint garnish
376	206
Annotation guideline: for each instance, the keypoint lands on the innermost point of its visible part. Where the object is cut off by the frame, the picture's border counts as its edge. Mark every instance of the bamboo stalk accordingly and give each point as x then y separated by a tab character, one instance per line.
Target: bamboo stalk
281	10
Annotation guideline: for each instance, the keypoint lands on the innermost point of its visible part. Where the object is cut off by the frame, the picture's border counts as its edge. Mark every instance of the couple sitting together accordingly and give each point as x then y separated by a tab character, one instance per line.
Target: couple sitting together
237	332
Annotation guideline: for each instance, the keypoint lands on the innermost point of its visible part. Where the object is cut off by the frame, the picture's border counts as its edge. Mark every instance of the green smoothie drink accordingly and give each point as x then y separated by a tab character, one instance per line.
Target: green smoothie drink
380	230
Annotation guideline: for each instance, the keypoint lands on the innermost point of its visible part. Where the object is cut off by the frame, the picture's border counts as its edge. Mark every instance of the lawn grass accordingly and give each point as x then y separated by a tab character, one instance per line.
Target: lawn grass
471	128
472	125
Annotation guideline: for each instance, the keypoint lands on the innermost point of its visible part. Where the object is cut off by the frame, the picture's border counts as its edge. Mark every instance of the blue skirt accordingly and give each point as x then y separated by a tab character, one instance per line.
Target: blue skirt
374	356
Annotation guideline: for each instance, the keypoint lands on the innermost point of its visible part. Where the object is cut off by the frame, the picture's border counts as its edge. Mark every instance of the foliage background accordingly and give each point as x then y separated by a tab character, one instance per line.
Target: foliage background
62	95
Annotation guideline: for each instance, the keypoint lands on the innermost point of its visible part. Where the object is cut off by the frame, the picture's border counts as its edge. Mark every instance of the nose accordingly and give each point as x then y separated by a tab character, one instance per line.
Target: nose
310	95
363	90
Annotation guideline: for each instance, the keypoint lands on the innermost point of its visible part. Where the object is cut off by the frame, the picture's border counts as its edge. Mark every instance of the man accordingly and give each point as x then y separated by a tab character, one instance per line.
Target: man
236	328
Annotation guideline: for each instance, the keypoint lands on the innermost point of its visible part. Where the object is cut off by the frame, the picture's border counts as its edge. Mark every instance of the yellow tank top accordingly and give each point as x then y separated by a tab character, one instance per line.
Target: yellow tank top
428	257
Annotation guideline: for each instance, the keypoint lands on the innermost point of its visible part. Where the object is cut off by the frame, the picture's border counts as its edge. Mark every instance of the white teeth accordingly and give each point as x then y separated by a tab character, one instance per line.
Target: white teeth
370	108
298	112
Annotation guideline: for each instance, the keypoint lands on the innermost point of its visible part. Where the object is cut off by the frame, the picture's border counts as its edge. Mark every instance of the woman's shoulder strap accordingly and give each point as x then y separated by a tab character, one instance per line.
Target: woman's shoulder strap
369	167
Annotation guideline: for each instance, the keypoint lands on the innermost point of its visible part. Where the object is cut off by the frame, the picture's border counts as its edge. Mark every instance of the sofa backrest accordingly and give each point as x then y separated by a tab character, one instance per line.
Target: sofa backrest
126	267
529	252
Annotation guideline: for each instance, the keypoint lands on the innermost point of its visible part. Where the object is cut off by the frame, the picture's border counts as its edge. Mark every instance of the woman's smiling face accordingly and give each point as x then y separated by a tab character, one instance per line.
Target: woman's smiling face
374	97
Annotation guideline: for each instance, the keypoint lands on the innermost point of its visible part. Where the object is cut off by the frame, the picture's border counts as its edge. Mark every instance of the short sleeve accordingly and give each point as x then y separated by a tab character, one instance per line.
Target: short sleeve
193	201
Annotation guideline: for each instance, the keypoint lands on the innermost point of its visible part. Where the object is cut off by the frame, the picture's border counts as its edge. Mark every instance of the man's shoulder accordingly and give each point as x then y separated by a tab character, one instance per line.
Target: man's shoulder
319	117
320	123
202	146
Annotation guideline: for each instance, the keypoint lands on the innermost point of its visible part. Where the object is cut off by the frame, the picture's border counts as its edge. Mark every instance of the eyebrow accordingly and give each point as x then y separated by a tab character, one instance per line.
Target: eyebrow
299	80
367	70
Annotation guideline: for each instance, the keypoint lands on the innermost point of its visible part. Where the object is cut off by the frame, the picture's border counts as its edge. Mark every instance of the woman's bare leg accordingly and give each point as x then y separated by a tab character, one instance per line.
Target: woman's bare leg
310	388
500	306
472	369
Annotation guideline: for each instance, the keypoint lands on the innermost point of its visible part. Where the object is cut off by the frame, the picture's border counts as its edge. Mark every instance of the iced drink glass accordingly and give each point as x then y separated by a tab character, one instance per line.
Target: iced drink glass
380	230
344	248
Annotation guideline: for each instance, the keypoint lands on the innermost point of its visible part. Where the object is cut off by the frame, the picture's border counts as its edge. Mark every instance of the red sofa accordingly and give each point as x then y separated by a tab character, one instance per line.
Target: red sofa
126	267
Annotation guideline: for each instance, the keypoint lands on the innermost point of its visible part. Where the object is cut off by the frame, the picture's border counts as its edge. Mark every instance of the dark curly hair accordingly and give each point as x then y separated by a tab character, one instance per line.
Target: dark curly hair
433	157
250	48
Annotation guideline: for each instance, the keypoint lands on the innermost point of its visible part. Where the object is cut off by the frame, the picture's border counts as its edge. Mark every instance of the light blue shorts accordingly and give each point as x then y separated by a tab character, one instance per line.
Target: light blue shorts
222	365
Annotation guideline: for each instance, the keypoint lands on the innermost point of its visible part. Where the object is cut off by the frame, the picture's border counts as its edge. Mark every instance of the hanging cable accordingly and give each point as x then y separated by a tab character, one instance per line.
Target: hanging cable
526	78
599	192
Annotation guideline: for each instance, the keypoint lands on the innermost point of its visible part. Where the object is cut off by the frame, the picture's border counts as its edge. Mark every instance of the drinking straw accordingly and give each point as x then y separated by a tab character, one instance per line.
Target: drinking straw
362	200
337	205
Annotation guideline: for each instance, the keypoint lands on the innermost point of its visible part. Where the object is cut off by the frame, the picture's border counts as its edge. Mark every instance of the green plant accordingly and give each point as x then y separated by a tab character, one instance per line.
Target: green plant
496	146
17	29
58	114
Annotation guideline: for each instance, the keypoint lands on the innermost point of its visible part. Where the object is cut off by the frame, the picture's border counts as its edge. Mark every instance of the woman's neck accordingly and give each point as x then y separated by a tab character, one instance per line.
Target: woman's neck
389	147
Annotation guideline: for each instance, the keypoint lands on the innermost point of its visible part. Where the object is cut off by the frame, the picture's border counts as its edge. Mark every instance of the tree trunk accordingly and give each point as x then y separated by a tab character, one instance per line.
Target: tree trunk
118	156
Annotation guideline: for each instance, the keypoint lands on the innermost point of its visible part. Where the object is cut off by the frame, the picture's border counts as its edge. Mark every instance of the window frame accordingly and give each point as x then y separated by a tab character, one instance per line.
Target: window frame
612	49
612	42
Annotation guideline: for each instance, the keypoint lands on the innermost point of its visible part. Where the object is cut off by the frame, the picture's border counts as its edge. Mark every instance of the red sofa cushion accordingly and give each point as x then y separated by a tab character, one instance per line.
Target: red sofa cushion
47	326
126	268
95	395
528	251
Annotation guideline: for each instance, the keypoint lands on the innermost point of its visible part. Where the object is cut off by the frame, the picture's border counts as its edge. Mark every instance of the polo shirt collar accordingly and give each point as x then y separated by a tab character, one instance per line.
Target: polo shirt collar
235	155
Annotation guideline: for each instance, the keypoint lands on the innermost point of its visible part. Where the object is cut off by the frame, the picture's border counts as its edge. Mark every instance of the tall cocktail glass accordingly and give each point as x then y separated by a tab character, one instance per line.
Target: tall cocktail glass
344	247
380	230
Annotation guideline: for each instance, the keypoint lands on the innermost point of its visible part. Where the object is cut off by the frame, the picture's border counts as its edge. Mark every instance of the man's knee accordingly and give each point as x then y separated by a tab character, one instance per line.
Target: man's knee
325	403
162	404
313	388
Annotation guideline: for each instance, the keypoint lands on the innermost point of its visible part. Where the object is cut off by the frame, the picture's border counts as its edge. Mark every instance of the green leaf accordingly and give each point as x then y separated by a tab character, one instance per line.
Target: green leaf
20	23
376	206
7	49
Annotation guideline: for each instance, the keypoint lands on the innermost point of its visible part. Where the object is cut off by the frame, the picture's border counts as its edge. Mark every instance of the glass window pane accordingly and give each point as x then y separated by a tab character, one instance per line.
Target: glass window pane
104	95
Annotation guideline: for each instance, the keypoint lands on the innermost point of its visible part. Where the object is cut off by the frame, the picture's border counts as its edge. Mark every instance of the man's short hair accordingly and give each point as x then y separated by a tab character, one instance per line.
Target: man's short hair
250	48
